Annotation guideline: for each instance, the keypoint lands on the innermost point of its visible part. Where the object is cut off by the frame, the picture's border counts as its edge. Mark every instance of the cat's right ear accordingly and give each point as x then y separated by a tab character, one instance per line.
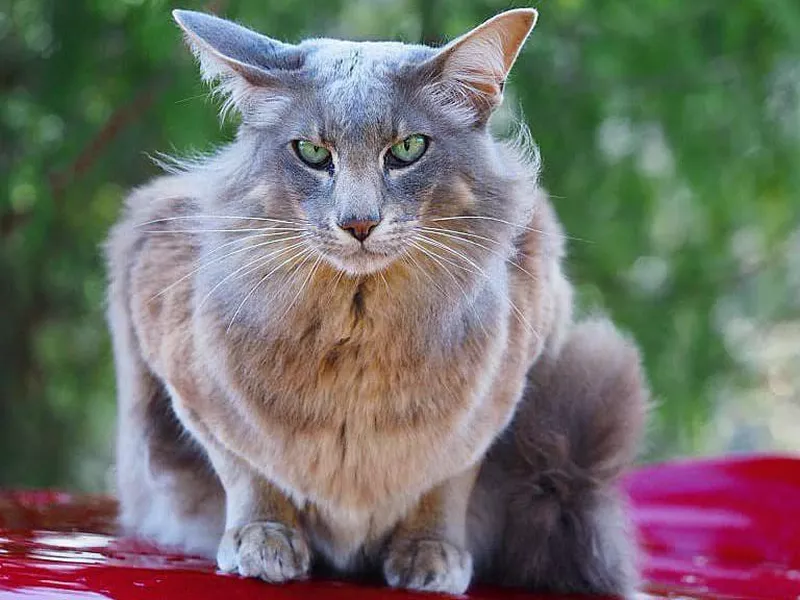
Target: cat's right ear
250	70
467	76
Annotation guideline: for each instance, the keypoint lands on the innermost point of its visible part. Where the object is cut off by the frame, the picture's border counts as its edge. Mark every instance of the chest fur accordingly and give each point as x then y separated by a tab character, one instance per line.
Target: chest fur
357	359
361	409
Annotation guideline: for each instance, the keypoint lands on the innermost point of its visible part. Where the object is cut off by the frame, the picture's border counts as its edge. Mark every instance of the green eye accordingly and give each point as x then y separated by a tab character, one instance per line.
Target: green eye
313	155
408	150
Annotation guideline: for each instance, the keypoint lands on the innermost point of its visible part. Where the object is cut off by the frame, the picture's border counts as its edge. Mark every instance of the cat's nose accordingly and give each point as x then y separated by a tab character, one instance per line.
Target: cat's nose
359	228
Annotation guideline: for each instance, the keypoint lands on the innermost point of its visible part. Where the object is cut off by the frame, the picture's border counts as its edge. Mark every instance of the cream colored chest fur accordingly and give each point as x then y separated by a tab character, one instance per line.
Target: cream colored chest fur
347	407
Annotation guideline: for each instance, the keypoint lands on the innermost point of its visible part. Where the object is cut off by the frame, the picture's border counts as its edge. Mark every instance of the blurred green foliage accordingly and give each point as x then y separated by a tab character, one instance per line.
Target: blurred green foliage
671	138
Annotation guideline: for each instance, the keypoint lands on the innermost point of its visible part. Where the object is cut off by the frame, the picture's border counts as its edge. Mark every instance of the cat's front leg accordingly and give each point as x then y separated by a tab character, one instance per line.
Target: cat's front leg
263	536
427	551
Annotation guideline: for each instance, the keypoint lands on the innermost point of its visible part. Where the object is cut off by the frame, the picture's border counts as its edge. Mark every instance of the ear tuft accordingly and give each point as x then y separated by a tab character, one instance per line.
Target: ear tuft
470	71
249	69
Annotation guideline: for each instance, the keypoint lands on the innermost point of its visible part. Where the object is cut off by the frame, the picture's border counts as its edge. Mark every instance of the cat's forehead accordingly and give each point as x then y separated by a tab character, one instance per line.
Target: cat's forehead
342	58
356	82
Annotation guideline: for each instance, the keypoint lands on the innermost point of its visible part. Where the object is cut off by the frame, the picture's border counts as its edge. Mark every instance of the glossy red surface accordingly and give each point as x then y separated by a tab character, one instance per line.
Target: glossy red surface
709	529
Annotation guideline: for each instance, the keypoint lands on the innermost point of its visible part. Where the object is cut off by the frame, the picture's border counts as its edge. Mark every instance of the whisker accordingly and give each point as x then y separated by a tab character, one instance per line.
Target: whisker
470	235
258	262
422	269
190	98
305	282
435	257
220	258
481	272
261	281
386	283
237	230
440	260
493	251
459	232
234	217
523	320
338	278
492	219
240	240
496	220
461	255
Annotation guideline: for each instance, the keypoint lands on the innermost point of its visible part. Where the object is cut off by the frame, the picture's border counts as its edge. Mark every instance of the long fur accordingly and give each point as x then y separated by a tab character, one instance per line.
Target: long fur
546	513
290	398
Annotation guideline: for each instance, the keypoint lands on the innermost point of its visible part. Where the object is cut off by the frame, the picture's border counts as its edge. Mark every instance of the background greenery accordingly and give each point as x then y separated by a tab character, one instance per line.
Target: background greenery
671	137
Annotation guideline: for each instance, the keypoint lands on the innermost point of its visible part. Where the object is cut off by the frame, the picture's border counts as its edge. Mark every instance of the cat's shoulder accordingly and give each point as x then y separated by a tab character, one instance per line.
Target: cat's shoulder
154	206
169	193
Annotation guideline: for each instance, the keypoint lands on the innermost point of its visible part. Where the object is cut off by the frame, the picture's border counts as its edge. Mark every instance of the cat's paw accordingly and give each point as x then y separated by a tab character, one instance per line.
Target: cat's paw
264	549
428	566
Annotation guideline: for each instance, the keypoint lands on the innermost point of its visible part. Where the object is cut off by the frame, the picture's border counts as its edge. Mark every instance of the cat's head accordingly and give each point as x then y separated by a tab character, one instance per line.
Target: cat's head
371	146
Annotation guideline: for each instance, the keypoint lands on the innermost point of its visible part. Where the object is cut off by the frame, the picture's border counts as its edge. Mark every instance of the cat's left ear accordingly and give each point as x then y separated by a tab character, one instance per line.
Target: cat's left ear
251	70
468	74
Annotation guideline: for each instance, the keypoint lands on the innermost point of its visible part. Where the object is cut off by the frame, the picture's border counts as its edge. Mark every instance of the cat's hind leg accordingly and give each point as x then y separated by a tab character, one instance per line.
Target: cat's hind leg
167	490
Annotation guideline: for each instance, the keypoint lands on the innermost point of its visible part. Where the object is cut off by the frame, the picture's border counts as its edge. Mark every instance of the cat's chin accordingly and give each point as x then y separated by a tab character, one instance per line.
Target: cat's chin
361	263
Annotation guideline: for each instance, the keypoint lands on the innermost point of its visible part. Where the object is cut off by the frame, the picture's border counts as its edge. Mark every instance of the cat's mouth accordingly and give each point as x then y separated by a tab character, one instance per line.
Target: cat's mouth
362	260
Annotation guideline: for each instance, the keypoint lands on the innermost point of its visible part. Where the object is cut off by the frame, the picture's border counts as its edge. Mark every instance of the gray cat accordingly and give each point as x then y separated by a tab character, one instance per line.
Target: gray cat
345	340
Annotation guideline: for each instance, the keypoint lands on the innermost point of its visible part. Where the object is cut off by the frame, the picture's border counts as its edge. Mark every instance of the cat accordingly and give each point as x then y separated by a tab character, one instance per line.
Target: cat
345	341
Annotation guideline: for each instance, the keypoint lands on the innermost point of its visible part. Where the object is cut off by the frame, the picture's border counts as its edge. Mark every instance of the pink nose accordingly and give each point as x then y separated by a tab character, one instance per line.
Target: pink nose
359	228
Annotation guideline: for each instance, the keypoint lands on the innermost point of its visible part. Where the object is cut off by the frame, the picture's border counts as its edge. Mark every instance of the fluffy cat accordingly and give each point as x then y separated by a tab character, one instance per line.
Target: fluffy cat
321	330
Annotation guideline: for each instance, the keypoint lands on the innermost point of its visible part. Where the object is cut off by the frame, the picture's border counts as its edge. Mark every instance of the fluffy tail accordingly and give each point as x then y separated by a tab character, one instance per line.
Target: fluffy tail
545	503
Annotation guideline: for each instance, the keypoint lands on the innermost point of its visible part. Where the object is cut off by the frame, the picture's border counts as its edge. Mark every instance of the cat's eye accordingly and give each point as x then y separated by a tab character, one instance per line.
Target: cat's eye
407	151
314	156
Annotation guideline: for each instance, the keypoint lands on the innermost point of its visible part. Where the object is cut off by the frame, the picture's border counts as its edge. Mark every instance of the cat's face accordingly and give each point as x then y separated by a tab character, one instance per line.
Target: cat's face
370	146
363	157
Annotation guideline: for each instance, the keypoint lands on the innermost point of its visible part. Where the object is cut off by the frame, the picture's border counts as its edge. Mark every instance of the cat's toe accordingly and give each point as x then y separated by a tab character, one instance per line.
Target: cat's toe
266	550
428	566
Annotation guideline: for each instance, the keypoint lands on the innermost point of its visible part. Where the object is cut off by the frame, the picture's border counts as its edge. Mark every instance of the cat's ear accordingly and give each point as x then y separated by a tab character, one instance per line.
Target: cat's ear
251	70
469	73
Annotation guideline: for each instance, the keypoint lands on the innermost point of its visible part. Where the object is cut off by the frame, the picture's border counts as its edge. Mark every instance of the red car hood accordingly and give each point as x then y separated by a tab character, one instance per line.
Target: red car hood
708	529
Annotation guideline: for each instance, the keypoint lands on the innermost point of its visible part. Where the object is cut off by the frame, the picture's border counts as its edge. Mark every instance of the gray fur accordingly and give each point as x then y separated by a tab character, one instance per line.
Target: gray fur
334	407
546	513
